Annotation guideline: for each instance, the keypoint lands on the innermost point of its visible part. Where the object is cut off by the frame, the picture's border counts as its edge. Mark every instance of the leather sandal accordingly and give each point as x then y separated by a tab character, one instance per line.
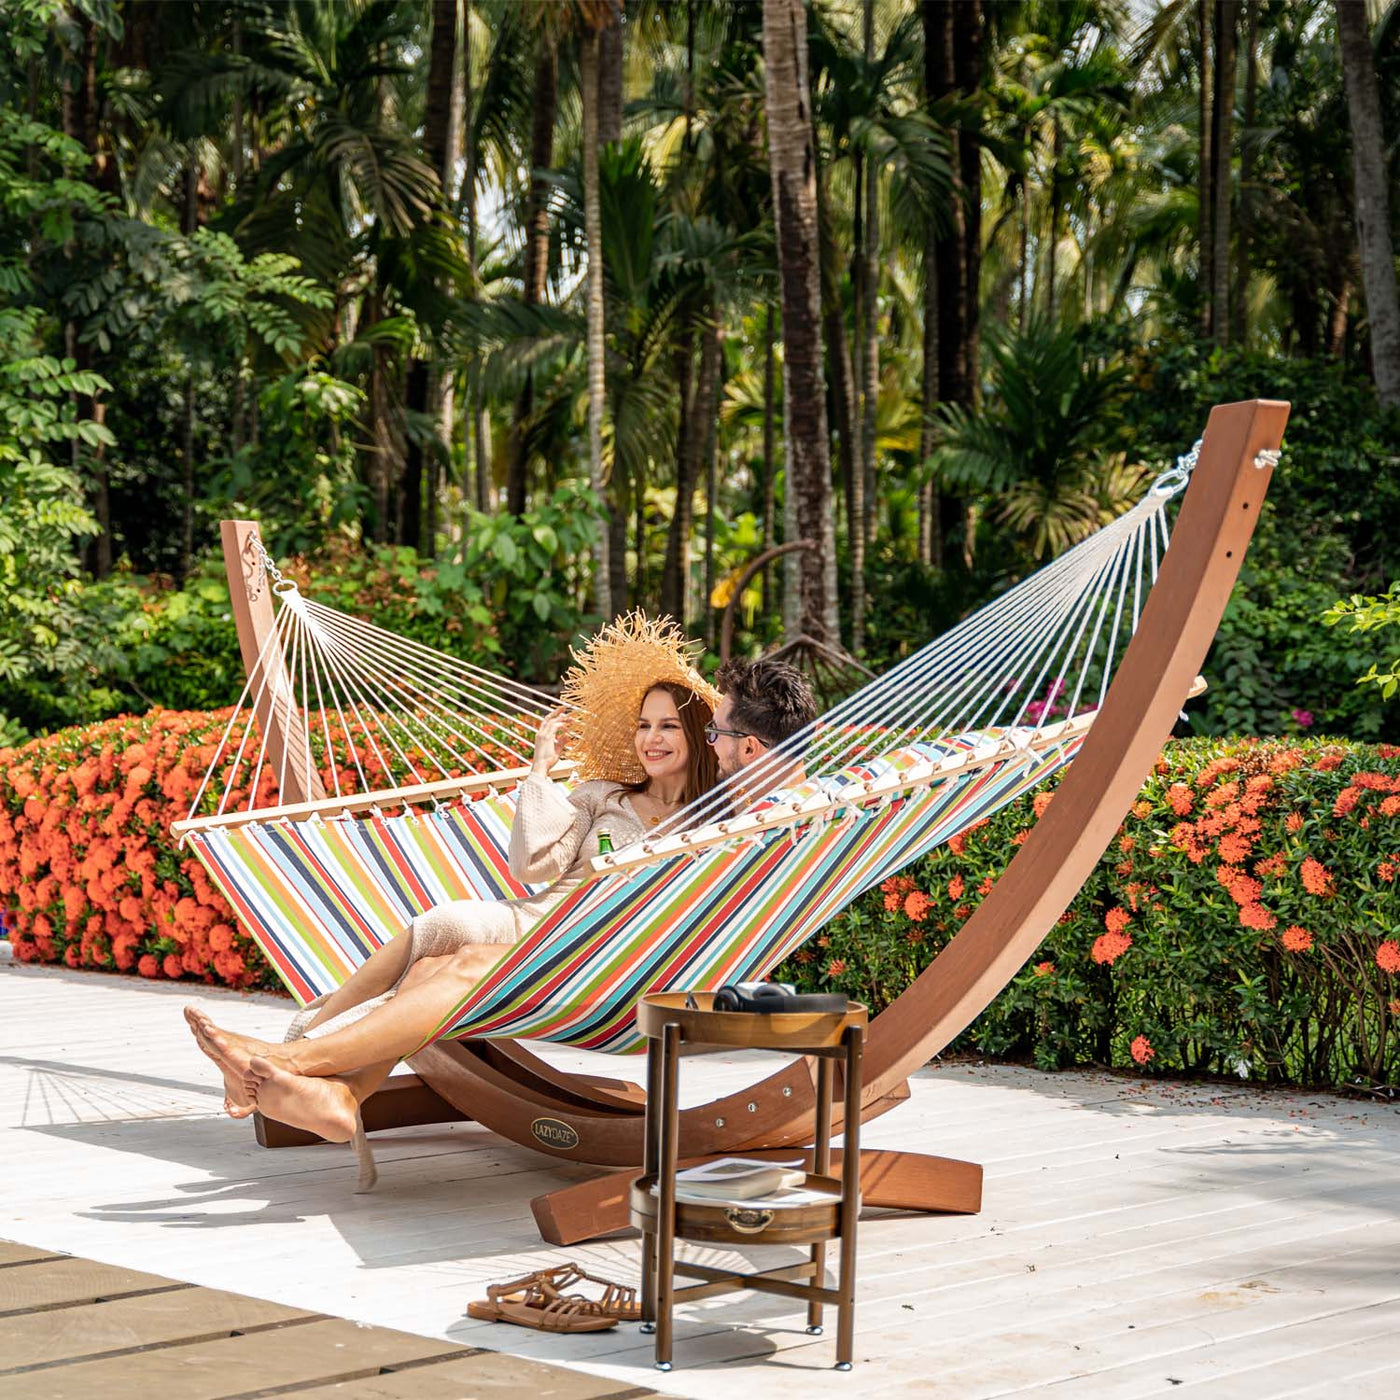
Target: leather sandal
538	1300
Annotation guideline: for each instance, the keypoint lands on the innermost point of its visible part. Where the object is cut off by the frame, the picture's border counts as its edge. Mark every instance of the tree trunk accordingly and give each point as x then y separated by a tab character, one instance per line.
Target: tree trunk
1226	28
862	512
1205	185
930	526
1023	300
610	134
1057	150
969	59
427	389
770	466
408	503
711	504
236	161
811	602
955	374
1340	294
675	573
536	251
675	562
838	350
597	388
610	78
641	580
478	428
1239	300
1372	197
188	220
80	121
954	65
382	451
239	425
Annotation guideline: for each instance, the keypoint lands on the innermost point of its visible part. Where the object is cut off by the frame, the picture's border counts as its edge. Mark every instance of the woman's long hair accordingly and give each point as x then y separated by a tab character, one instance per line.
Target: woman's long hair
702	768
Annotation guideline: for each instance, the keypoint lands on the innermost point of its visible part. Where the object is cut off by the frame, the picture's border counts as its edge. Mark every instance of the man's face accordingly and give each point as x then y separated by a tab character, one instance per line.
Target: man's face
731	752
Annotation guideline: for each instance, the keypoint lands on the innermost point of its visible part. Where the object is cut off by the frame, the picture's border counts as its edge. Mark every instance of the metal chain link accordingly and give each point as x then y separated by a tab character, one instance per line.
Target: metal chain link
1175	478
280	583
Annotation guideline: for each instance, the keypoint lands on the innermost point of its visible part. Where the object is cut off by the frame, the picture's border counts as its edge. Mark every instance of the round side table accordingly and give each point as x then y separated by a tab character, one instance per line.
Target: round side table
670	1019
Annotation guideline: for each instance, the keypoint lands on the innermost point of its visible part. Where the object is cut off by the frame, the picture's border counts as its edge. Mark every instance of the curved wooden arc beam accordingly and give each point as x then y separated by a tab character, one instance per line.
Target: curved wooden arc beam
1177	626
576	1119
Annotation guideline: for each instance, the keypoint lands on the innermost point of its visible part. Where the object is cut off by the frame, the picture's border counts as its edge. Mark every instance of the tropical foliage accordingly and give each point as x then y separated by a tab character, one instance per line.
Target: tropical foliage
1244	921
329	264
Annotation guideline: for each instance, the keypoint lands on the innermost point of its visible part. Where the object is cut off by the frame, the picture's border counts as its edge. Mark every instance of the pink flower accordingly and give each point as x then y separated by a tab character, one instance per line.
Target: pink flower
1303	718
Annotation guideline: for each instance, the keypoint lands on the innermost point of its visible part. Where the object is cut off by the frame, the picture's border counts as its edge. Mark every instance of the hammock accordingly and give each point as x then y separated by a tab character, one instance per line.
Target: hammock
725	890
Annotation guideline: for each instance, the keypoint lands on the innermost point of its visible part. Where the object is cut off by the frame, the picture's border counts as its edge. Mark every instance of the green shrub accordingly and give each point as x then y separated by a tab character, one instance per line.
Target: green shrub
1245	921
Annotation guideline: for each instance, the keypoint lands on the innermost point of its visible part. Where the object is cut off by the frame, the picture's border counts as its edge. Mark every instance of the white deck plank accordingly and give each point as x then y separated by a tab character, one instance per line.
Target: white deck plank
1240	1242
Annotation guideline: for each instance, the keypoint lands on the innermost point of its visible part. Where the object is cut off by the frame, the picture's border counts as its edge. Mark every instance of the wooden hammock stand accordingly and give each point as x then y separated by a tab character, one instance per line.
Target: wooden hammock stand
579	1119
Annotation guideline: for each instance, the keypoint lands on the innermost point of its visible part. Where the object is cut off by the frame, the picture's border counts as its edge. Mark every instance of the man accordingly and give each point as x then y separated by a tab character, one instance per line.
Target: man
319	1082
764	704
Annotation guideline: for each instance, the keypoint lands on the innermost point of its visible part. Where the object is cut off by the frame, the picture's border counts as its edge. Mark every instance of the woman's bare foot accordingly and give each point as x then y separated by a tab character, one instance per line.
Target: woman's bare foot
237	1103
325	1107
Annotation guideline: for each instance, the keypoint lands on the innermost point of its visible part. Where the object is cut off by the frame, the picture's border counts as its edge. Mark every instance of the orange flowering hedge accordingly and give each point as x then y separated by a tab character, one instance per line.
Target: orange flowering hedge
89	874
1245	920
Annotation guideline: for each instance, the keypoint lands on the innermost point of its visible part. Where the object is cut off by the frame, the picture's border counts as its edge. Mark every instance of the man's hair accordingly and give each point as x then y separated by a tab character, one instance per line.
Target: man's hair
769	699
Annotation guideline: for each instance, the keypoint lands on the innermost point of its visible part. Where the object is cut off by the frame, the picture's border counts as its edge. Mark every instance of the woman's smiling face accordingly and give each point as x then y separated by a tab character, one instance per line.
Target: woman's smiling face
660	740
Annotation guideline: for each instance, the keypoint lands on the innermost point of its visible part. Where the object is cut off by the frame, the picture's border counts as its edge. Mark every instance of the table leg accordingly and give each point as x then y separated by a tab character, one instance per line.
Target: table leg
666	1202
651	1166
850	1200
821	1165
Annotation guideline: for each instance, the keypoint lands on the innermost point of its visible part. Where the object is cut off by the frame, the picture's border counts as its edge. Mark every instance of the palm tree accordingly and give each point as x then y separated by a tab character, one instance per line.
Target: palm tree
1372	201
594	19
810	602
1044	447
348	191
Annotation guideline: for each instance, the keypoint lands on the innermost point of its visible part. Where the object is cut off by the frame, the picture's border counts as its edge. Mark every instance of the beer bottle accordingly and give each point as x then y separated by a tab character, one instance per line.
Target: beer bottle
605	844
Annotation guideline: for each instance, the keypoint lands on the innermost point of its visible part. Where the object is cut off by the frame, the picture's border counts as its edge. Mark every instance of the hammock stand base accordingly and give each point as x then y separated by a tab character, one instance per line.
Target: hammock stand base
572	1120
571	1214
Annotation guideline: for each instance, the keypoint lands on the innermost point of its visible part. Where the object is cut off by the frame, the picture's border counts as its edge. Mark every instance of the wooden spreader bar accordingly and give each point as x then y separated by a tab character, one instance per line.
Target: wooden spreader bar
366	801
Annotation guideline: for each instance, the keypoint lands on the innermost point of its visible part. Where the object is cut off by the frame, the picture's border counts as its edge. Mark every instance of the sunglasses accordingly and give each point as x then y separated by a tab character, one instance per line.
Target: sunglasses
713	731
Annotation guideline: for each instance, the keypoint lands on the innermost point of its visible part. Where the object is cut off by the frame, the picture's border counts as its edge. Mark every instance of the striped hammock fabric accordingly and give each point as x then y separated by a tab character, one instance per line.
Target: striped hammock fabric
319	897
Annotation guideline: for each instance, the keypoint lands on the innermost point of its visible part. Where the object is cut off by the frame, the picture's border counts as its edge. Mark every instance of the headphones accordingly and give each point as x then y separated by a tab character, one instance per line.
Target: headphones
775	996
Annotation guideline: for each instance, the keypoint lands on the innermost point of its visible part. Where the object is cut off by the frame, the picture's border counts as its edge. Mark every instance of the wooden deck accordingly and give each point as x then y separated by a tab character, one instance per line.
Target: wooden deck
71	1329
1138	1237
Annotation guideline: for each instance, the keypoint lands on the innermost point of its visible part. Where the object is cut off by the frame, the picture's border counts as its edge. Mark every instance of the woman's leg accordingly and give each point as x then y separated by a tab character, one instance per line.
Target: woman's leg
328	1107
392	1030
380	971
315	1083
399	1027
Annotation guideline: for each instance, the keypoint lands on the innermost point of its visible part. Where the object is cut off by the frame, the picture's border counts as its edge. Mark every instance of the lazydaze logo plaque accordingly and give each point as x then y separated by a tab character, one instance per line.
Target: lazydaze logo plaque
550	1132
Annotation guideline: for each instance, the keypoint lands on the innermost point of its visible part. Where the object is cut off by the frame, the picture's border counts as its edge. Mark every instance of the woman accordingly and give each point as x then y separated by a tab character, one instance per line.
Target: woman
639	739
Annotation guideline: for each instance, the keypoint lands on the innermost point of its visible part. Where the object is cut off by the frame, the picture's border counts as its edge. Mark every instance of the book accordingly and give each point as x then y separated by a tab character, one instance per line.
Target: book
737	1179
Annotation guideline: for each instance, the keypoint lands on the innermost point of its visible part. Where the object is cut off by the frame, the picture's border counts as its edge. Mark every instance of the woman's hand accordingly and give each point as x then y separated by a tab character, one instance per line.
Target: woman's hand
549	742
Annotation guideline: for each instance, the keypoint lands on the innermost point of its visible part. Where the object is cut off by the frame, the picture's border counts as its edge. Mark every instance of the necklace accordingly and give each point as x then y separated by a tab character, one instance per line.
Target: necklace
668	809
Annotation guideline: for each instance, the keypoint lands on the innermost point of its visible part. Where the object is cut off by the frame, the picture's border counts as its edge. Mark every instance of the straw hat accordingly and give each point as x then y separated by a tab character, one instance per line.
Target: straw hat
608	681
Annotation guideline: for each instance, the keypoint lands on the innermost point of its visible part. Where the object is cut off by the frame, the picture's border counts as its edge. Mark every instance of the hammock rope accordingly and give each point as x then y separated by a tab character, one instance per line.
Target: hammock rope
406	713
